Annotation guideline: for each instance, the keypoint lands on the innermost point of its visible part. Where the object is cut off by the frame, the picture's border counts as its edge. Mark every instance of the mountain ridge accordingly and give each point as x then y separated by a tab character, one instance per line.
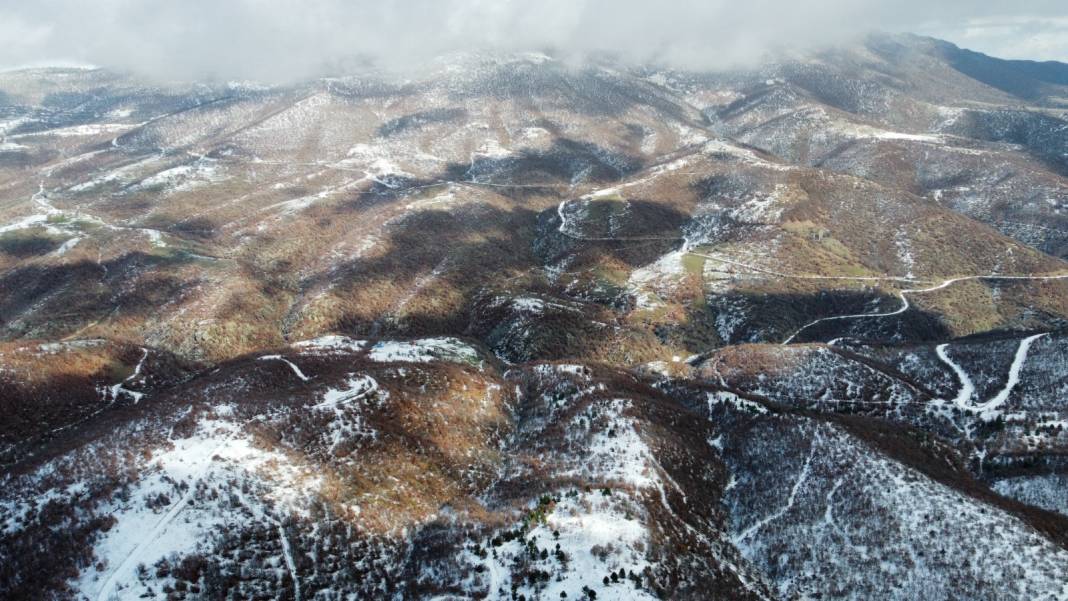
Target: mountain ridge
524	329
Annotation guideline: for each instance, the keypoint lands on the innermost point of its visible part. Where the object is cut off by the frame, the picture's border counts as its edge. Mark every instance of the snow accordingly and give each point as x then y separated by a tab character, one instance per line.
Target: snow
56	347
760	208
424	203
155	237
534	134
597	533
491	149
91	129
573	369
852	130
689	136
536	306
346	404
660	278
10	124
287	552
357	387
121	175
425	350
820	484
183	177
809	376
1014	374
536	58
377	161
741	538
904	252
296	205
903	294
120	387
24	223
724	397
66	247
615	452
53	167
216	453
967	387
330	344
291	365
528	305
14	512
421	284
743	154
837	511
653	173
1046	491
894	135
565	227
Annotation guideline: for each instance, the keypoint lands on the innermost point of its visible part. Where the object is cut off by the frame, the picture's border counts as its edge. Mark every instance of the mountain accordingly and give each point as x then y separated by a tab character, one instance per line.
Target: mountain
517	328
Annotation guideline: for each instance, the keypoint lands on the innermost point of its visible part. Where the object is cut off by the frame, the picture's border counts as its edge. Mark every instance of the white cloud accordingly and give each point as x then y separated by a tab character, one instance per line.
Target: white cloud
1018	37
284	39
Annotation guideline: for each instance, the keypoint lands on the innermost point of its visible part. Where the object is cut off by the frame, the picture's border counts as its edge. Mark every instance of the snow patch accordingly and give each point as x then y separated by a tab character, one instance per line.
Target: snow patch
330	343
425	350
161	517
291	365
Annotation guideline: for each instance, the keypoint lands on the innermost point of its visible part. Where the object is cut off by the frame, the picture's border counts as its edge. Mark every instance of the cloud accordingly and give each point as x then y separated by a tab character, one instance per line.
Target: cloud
276	40
1018	37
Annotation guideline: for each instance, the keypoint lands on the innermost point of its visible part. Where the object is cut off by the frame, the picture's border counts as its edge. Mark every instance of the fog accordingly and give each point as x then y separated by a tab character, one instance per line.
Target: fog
278	40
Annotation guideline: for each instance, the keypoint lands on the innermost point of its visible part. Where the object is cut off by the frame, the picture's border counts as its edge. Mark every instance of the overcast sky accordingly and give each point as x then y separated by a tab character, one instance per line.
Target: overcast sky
276	40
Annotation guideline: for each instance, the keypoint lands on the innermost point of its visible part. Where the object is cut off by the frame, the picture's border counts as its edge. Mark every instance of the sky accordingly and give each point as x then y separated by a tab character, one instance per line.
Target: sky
278	40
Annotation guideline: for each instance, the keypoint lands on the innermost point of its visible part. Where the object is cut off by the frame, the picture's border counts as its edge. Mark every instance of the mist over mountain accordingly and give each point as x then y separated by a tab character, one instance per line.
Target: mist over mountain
281	41
511	301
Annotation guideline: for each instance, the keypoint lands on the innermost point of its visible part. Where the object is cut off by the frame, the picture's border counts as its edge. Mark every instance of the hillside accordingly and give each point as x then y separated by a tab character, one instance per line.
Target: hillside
517	328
